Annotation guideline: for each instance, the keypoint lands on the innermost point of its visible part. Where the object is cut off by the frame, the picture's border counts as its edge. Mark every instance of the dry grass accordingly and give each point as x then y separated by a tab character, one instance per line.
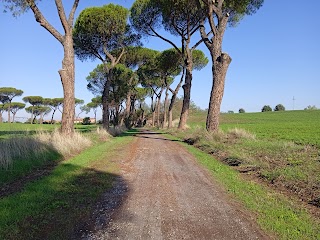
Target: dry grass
103	134
66	146
19	148
241	134
39	146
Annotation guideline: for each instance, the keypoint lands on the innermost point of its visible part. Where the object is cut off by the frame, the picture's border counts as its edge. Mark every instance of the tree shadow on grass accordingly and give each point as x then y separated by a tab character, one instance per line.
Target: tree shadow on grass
63	205
23	160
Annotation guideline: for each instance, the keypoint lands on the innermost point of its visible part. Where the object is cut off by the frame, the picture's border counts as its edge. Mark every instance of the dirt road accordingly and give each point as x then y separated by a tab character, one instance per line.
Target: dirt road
164	194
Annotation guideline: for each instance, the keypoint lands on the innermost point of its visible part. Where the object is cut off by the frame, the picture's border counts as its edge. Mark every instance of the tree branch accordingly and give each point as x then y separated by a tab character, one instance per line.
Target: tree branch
220	3
43	21
165	39
109	55
72	12
204	35
62	16
120	56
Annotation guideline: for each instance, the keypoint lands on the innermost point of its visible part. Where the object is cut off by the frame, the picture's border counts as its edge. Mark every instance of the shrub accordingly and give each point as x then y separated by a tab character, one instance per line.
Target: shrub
266	108
86	121
311	107
279	107
241	110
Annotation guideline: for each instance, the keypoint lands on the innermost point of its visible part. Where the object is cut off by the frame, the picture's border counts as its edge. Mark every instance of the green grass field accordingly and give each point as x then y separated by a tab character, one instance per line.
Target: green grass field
301	127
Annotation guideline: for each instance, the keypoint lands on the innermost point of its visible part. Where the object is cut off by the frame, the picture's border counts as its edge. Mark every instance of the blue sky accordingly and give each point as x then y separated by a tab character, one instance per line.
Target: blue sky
276	56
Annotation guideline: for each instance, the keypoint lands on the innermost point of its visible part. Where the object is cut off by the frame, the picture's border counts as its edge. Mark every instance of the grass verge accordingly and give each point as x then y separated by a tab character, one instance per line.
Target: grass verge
285	165
52	207
275	213
20	156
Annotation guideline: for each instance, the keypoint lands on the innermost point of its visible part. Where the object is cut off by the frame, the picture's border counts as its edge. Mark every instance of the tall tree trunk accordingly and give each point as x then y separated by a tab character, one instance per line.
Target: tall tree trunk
95	116
41	118
9	110
105	108
186	99
220	64
128	104
67	76
13	116
158	106
174	97
116	120
53	115
153	111
32	115
128	101
1	117
165	108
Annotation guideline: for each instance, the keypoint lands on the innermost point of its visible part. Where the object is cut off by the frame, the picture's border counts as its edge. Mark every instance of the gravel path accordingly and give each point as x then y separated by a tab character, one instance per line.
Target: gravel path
163	193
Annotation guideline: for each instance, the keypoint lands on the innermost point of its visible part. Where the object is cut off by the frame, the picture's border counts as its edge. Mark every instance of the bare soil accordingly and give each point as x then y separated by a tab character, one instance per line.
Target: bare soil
163	193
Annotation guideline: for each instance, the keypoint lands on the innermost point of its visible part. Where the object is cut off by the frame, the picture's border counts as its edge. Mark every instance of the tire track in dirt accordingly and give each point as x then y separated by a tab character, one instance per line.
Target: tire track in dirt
169	196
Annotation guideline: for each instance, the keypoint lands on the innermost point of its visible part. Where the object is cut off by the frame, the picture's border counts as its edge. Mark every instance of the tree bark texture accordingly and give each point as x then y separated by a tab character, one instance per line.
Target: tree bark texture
165	108
67	76
9	111
219	70
158	106
173	99
186	99
105	106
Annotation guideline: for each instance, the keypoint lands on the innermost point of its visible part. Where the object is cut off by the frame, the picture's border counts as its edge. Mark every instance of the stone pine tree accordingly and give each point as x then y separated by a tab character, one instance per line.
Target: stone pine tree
218	14
54	104
180	18
37	111
94	105
171	57
118	86
134	58
15	107
168	66
66	73
33	101
99	31
9	93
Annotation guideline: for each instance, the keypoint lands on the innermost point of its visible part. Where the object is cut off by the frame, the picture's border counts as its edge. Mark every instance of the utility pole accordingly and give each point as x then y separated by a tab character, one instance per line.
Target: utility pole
293	99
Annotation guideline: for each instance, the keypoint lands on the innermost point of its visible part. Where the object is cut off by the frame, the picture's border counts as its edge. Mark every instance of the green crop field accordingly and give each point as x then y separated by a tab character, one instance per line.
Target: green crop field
301	127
